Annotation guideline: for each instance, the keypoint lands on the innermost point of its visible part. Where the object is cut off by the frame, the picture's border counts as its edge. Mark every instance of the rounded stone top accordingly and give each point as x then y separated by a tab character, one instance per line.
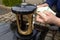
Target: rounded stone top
24	8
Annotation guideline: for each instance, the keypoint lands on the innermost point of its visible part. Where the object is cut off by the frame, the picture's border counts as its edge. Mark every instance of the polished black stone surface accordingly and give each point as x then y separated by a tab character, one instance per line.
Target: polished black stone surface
24	9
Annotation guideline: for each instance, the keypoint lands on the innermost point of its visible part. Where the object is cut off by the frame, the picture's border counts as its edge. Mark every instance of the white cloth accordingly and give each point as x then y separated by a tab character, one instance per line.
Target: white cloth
41	9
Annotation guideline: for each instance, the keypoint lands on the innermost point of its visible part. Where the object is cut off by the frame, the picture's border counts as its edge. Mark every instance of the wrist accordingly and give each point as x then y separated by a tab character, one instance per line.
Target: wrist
56	20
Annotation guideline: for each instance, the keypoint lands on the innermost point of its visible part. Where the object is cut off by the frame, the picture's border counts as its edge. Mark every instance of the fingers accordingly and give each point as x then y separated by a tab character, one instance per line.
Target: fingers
45	16
39	19
42	15
45	13
48	13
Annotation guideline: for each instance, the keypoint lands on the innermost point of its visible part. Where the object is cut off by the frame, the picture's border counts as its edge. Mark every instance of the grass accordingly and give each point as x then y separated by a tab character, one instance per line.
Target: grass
11	2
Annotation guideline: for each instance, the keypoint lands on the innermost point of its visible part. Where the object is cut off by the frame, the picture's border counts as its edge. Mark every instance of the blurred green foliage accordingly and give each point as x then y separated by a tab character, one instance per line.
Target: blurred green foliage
11	2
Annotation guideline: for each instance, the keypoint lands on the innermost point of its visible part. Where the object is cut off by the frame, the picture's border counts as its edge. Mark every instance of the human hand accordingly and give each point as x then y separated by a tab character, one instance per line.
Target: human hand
46	17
